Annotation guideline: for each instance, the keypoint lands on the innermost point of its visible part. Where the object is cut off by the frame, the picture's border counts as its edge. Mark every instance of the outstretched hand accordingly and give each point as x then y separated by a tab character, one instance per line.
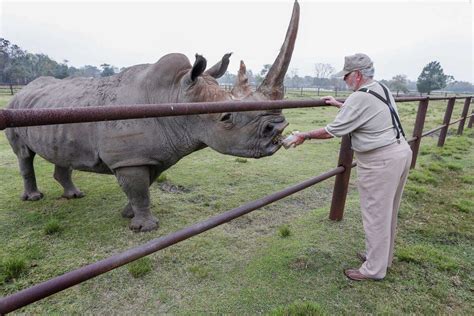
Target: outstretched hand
331	101
298	139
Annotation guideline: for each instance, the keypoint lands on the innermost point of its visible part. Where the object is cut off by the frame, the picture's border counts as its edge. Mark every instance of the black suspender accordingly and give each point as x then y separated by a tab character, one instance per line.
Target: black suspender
395	119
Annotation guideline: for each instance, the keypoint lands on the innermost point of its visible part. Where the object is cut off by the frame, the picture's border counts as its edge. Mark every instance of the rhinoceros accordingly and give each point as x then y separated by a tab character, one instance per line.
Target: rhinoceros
136	151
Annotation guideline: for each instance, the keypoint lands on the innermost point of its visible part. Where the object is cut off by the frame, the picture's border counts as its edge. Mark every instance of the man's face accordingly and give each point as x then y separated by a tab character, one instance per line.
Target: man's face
351	80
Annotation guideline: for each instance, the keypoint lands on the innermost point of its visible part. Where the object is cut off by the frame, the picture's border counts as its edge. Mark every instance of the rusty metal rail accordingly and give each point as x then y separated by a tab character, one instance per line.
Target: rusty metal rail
48	116
18	118
45	289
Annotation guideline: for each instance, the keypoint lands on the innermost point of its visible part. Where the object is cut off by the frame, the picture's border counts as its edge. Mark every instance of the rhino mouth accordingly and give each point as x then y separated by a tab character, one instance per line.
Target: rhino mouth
278	139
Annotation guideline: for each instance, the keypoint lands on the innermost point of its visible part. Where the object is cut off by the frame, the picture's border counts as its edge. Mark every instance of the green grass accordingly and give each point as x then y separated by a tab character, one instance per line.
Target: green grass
140	267
245	266
299	308
11	268
284	231
52	227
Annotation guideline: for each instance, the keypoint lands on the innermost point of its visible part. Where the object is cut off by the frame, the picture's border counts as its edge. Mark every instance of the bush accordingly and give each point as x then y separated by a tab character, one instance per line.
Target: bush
140	267
241	160
284	231
161	178
12	268
52	227
464	206
299	308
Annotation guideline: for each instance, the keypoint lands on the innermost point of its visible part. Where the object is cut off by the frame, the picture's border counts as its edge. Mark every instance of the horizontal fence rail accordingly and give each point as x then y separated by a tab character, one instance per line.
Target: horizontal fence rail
45	289
45	116
48	116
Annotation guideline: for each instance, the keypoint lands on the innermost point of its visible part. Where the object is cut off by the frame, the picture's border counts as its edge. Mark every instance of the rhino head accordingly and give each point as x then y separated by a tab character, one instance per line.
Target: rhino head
252	134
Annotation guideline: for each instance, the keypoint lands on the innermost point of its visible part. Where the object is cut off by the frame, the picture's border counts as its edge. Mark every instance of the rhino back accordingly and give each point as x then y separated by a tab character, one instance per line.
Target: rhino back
99	146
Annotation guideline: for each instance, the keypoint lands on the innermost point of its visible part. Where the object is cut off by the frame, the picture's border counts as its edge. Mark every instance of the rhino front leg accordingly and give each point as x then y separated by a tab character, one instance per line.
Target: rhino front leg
135	182
63	176
27	170
127	212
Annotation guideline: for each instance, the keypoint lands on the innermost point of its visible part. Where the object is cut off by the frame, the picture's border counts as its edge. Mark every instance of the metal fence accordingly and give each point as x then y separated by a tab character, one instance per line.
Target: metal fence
27	117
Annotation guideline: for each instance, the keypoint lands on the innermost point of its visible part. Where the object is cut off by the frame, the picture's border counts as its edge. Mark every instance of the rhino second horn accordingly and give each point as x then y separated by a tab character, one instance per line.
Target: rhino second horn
219	69
272	85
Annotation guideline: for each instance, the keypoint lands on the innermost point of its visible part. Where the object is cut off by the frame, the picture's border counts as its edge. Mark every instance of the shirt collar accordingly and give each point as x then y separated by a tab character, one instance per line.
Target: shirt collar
371	83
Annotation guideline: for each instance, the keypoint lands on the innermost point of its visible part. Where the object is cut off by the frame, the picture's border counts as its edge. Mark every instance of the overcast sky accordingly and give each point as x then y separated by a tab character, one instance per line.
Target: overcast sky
400	36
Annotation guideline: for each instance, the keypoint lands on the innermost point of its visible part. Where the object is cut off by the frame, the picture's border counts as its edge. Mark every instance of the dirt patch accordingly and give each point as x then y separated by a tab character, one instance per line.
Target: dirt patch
172	188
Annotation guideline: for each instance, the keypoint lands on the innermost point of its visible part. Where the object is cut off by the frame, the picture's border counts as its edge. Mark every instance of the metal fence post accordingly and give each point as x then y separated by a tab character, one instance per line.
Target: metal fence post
465	110
418	129
341	184
447	119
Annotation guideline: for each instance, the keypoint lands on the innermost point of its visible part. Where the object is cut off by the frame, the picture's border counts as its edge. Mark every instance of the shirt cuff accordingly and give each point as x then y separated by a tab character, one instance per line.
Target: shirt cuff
327	131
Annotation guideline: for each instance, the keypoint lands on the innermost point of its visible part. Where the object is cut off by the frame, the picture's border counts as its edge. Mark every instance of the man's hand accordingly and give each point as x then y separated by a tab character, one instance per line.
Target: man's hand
331	101
298	139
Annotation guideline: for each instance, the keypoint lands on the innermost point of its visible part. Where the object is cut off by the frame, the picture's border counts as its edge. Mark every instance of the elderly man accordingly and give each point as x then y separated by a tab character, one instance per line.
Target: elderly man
369	116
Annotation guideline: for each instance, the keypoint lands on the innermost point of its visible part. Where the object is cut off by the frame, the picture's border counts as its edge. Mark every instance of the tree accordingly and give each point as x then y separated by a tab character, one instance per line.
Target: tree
107	70
432	77
261	75
399	83
322	72
460	87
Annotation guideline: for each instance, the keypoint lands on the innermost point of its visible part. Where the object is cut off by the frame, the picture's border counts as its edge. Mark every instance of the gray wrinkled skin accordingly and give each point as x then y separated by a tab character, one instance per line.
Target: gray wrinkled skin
137	151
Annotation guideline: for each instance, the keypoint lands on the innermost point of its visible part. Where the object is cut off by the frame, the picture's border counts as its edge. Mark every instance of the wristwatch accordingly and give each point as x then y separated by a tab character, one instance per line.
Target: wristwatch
306	136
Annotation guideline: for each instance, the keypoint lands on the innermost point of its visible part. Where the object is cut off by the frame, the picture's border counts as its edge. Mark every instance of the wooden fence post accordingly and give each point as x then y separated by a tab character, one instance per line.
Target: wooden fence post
465	110
471	120
341	184
418	129
447	119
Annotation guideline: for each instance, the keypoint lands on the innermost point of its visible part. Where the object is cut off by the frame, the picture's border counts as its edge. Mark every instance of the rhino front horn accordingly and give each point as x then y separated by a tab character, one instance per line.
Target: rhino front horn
272	85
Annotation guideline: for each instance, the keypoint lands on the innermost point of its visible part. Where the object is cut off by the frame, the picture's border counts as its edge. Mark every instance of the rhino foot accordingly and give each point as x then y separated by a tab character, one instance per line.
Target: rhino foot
143	224
128	212
32	196
73	194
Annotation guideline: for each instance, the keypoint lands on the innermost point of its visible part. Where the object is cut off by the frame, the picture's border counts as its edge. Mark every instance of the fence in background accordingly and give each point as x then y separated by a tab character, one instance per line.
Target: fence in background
27	117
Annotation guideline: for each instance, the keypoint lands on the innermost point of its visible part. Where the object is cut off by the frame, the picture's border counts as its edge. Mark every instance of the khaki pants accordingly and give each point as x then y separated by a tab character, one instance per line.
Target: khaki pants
382	174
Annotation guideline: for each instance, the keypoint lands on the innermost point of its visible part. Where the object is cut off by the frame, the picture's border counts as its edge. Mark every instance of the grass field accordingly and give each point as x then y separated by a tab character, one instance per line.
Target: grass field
286	258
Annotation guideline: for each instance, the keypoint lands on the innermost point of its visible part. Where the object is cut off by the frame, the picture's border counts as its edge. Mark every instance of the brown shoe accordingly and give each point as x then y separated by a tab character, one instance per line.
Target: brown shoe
362	257
355	275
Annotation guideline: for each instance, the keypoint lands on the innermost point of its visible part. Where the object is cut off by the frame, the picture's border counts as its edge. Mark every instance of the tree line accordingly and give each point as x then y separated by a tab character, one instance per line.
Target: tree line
19	67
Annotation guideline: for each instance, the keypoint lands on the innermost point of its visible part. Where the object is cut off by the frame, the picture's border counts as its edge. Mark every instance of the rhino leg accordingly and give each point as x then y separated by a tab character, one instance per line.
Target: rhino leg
27	171
135	182
127	212
63	176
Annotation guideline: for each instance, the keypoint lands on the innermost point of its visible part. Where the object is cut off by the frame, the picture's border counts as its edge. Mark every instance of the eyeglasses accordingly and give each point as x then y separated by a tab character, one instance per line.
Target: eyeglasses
347	75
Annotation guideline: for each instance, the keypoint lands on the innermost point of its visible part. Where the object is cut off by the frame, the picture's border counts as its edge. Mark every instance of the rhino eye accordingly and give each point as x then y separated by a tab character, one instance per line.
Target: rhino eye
227	117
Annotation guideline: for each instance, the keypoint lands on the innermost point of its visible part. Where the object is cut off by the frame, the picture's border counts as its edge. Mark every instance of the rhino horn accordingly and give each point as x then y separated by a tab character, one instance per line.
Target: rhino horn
198	68
219	69
272	85
241	88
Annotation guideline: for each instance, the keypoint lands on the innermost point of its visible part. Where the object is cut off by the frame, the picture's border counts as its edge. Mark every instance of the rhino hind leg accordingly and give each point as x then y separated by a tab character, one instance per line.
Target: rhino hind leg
63	176
135	182
27	170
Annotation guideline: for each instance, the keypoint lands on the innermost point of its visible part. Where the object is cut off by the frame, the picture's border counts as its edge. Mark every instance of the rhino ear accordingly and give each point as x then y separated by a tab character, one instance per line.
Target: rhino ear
198	67
219	69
